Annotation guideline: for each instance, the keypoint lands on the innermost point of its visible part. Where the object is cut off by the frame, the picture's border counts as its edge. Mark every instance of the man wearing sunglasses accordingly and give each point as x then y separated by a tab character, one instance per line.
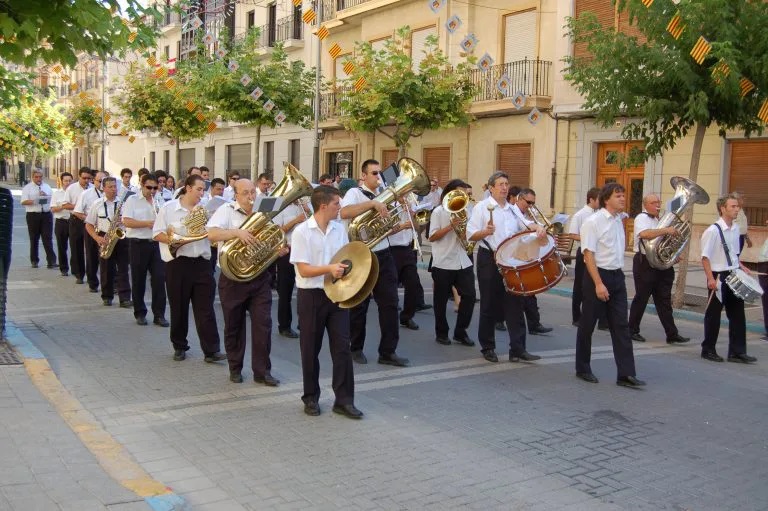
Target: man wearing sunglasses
139	214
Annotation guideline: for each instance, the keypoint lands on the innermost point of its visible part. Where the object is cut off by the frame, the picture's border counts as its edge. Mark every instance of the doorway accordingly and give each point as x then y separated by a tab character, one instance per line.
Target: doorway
612	168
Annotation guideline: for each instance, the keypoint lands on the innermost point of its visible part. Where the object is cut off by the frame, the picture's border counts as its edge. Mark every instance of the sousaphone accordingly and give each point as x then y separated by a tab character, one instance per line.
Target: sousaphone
359	277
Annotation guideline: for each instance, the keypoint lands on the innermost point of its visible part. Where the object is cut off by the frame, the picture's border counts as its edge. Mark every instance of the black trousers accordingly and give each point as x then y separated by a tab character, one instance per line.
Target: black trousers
255	298
385	294
616	311
737	321
464	282
531	308
652	282
91	261
578	284
114	273
316	315
286	279
189	279
496	303
40	225
214	257
408	275
77	237
145	258
61	230
763	268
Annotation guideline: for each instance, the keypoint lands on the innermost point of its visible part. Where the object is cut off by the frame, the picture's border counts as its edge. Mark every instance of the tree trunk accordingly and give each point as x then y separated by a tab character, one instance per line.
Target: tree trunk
255	167
678	297
89	149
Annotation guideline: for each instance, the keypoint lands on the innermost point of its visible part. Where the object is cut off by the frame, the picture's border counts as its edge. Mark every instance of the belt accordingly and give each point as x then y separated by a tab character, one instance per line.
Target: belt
382	251
617	270
141	240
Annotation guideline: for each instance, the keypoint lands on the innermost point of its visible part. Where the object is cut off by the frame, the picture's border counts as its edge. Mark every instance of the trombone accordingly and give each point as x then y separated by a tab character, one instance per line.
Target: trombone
553	228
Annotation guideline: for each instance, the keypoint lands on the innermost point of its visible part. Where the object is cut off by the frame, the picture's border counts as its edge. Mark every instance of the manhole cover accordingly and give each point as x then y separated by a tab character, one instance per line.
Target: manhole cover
8	357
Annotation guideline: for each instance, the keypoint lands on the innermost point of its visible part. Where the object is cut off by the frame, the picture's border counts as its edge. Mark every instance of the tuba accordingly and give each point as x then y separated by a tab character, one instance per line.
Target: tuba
241	262
662	252
115	233
195	223
369	227
455	203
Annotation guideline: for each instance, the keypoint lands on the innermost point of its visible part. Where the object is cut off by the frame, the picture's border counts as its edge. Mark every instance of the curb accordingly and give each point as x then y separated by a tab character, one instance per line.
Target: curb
110	454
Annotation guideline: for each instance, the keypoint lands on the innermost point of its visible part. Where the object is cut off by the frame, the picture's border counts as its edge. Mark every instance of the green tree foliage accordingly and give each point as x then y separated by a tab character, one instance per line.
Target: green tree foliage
84	119
288	84
401	102
43	130
147	104
55	32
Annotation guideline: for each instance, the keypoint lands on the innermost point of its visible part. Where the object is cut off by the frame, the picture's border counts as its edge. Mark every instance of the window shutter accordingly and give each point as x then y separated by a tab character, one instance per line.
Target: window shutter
437	163
747	167
239	158
419	45
630	29
388	157
606	15
515	161
186	160
520	36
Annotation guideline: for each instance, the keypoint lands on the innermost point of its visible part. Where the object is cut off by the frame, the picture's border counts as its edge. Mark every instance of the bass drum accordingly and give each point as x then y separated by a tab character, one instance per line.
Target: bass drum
529	265
744	286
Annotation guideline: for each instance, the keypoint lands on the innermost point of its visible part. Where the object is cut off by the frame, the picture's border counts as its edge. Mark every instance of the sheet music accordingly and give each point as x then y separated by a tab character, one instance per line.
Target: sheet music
215	203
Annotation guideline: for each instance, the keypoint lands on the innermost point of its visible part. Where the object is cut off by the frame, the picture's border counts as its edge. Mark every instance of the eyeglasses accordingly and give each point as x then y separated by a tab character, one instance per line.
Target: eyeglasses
531	202
375	172
151	187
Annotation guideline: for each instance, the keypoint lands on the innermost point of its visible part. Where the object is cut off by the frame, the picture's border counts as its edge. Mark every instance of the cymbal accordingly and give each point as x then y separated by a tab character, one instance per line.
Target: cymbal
363	272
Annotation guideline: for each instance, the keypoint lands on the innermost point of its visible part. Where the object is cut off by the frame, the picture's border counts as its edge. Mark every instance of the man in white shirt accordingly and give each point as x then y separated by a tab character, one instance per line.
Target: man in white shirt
602	240
139	215
492	222
162	190
288	219
188	276
36	199
237	298
100	216
124	186
229	191
61	221
405	256
577	220
719	257
77	234
648	280
451	268
356	202
315	242
263	184
83	205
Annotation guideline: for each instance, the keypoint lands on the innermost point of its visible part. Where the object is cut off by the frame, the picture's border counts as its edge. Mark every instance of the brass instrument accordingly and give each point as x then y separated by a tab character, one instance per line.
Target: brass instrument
422	216
455	203
359	277
662	252
195	223
369	227
115	233
554	229
242	262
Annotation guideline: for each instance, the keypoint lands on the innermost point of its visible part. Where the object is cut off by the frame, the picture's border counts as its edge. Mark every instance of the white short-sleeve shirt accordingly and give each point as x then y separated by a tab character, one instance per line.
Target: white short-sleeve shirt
136	207
356	196
504	220
603	235
447	252
73	193
58	200
86	199
285	216
404	237
173	214
643	222
34	192
712	246
316	248
228	216
101	213
578	218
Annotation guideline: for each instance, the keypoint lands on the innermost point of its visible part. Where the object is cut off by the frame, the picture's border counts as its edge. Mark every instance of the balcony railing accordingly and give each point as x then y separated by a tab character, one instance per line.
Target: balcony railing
332	7
286	29
169	18
330	103
530	77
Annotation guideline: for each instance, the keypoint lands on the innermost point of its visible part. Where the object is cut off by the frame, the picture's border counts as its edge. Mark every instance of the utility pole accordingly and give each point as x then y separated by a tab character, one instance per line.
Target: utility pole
318	79
103	113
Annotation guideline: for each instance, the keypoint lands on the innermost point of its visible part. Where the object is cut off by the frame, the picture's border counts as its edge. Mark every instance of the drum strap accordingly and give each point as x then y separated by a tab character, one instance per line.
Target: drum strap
725	245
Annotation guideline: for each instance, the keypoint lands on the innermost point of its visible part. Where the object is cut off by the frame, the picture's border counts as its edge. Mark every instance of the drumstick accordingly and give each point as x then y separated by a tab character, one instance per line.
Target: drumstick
491	207
711	295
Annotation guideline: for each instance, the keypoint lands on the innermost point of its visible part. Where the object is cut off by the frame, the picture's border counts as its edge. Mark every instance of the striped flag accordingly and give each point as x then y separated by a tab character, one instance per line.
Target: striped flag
170	83
675	26
107	117
700	50
57	69
132	37
74	86
360	84
64	78
720	71
309	16
763	113
211	127
335	50
349	67
647	3
296	3
160	72
191	105
115	125
322	32
746	86
152	61
131	139
123	132
200	116
178	93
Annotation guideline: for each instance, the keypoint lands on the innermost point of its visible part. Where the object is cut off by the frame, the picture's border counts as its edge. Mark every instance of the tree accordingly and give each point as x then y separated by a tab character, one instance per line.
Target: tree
38	31
654	81
174	112
84	118
405	100
289	85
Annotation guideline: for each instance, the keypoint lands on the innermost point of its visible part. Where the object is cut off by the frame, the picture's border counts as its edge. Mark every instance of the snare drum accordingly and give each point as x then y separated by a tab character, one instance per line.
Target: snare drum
744	286
529	265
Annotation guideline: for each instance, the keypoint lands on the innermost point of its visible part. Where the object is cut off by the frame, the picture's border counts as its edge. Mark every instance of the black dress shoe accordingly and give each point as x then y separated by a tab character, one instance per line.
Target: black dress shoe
677	339
161	321
348	411
464	341
423	307
742	357
311	408
712	356
267	379
235	377
141	320
289	333
500	326
179	355
443	340
490	356
35	265
107	302
126	304
524	357
79	281
52	266
630	381
393	359
637	337
539	329
65	274
215	357
359	357
93	289
410	324
587	377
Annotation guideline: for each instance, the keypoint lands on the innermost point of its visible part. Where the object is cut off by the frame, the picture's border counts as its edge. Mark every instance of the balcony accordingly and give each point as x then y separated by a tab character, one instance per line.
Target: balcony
330	104
169	20
333	9
288	31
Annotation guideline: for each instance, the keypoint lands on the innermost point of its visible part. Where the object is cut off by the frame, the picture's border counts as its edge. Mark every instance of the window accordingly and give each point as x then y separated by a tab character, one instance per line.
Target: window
269	157
186	160
239	158
294	148
152	167
167	52
520	36
515	161
271	23
388	157
379	44
339	74
437	163
419	45
251	19
608	16
166	160
747	167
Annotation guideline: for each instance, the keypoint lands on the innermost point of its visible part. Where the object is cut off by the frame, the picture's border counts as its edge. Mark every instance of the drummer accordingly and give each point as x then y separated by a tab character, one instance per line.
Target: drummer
720	257
493	221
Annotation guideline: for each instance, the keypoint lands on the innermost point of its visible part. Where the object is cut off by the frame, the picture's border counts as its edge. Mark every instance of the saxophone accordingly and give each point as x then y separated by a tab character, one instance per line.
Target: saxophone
115	233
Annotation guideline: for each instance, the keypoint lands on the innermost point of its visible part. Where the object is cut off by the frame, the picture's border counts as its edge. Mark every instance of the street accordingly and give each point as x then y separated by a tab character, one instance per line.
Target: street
450	432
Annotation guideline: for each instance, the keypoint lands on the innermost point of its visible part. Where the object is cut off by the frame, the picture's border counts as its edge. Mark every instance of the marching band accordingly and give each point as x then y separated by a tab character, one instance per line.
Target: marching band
172	241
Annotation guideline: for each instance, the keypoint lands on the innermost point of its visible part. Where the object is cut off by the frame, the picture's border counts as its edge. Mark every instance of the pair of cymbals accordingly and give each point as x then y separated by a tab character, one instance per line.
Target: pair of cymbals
359	278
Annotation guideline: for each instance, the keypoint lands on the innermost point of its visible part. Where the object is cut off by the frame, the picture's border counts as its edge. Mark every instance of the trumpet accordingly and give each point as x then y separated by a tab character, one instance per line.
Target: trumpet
455	203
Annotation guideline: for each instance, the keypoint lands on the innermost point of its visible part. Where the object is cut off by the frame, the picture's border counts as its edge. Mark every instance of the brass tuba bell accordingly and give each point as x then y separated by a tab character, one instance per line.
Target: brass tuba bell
455	203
